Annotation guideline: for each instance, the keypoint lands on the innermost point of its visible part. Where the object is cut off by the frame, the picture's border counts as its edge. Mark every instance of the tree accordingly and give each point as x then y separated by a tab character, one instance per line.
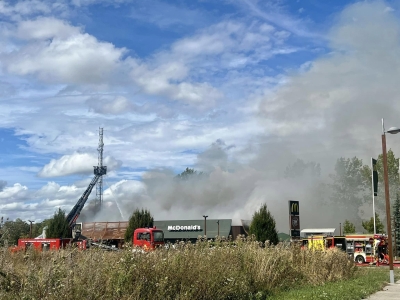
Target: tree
299	168
139	219
348	227
58	226
188	173
14	230
263	226
393	174
369	225
37	228
350	184
396	222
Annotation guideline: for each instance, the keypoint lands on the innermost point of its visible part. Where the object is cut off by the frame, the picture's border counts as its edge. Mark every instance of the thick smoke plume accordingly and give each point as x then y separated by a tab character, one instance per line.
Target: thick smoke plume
332	108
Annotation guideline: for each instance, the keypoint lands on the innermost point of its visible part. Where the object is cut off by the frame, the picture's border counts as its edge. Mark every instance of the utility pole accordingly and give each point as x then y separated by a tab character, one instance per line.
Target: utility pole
218	227
340	226
205	224
30	228
99	185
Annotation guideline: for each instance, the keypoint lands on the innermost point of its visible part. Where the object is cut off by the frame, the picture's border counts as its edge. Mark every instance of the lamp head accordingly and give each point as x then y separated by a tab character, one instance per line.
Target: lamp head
393	130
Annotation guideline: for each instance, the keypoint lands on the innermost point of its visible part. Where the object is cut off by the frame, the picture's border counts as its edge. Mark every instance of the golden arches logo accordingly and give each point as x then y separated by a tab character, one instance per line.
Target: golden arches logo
294	208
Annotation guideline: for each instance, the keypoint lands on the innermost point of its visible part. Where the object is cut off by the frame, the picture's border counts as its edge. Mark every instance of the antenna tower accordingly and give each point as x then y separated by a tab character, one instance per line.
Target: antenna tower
99	185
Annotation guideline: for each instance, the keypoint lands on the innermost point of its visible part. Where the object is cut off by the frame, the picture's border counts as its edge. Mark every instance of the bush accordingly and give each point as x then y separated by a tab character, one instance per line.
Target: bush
239	270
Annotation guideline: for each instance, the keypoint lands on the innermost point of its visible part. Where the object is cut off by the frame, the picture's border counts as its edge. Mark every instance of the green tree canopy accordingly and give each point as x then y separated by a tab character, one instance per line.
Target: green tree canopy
139	219
369	225
188	173
396	223
58	226
350	185
263	226
393	174
300	168
14	230
348	227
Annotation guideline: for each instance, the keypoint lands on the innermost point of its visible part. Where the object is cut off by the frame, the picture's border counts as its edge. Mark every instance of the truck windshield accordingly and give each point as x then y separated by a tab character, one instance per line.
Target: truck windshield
158	236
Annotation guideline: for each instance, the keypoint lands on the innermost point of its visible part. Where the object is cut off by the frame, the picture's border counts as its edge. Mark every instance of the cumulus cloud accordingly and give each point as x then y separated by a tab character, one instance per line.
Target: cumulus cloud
15	193
77	163
114	106
44	28
58	52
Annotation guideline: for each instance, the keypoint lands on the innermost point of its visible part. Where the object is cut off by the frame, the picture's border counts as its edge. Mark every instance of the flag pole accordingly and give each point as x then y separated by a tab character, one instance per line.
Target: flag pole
373	193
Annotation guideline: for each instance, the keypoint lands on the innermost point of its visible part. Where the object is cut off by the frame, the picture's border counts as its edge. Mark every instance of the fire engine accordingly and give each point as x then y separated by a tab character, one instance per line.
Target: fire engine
364	248
367	248
149	238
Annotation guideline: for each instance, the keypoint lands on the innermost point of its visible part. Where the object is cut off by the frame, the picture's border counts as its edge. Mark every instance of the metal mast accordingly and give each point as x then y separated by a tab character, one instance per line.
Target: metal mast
99	185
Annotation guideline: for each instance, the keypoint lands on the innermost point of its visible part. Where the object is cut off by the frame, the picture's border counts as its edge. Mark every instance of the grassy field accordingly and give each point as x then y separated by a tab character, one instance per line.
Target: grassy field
366	281
243	270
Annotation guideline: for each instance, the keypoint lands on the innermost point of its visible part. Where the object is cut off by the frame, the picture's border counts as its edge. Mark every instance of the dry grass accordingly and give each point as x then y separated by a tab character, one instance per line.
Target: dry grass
240	270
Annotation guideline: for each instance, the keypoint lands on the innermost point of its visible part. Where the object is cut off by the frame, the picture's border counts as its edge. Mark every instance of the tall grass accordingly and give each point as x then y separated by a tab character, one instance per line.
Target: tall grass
240	270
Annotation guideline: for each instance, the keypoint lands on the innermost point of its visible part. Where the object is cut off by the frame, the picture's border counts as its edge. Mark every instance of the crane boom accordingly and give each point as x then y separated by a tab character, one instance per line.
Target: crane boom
76	210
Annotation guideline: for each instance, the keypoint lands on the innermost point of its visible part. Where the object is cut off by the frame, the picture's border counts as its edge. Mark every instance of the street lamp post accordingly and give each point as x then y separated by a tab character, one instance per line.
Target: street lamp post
205	224
218	227
392	130
30	228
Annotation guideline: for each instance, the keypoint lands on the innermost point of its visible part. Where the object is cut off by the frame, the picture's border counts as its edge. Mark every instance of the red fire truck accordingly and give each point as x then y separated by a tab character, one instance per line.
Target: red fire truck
46	244
367	248
148	238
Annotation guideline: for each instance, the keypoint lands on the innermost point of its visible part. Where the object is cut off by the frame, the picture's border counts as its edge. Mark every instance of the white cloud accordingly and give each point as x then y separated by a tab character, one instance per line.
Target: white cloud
114	106
44	28
15	193
77	163
57	52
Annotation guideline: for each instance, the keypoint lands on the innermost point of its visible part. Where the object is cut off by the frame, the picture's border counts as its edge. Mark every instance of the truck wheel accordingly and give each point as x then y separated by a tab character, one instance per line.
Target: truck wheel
360	259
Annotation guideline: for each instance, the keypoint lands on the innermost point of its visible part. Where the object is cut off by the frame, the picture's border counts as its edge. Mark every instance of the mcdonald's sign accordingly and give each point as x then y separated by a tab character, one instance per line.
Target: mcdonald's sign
294	208
294	218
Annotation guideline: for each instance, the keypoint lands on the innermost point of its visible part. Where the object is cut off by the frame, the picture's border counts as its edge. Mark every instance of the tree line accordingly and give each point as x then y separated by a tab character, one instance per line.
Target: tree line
350	188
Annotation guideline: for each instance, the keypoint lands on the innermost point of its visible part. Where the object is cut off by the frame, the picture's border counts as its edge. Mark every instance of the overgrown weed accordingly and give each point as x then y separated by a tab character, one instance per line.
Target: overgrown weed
219	270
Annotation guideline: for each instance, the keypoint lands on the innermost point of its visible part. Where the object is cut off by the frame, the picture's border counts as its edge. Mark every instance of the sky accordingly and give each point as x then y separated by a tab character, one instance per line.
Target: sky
237	89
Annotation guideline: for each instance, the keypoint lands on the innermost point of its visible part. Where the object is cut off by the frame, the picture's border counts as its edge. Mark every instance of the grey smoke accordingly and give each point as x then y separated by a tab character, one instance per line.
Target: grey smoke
331	109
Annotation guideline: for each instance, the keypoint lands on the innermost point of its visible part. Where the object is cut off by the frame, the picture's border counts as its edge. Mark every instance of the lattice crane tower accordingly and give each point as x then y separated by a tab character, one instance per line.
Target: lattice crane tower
99	185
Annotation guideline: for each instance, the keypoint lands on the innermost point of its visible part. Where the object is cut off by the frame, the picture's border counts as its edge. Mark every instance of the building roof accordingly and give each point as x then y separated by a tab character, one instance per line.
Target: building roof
318	230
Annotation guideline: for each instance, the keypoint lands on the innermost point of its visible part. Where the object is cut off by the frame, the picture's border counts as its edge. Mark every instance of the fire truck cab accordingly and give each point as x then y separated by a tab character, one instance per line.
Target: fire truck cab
148	238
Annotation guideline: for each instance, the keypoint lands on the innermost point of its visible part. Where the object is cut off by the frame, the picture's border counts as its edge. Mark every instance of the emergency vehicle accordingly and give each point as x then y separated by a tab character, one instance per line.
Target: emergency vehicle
46	244
367	248
148	238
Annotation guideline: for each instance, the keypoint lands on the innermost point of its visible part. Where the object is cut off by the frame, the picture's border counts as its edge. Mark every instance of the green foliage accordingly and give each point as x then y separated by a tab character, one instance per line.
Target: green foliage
369	225
37	228
14	230
393	174
396	223
263	226
188	173
299	168
350	184
348	227
58	226
239	270
365	282
139	219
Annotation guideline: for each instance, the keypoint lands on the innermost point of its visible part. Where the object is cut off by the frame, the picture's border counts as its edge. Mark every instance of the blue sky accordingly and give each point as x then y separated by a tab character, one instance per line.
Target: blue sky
221	86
